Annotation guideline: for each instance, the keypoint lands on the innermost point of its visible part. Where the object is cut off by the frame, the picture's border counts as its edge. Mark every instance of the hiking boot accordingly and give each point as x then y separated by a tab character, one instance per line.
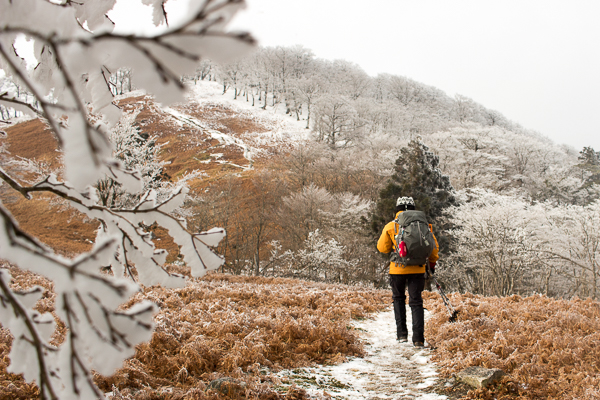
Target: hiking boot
402	339
419	345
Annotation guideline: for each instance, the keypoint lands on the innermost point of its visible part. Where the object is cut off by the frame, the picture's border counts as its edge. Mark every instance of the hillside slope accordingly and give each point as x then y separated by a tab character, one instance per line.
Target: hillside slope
210	134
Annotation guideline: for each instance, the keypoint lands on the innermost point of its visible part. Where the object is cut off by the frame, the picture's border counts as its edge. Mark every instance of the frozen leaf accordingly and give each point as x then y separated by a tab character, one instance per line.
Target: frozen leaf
159	15
99	337
93	13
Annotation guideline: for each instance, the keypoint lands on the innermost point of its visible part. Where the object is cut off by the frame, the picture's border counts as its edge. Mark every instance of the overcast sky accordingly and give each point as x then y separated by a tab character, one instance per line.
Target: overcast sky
535	61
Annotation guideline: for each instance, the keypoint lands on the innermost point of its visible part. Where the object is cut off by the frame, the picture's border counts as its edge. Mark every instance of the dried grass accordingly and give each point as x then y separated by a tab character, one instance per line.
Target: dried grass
225	326
247	327
224	119
240	327
549	348
33	140
183	147
59	226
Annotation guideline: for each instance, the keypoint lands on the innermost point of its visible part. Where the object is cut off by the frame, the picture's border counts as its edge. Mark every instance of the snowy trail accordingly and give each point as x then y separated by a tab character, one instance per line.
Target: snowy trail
390	370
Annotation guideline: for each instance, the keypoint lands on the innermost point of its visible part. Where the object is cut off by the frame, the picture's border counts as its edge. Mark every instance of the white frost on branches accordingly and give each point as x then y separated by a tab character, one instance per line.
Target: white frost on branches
76	54
320	254
507	245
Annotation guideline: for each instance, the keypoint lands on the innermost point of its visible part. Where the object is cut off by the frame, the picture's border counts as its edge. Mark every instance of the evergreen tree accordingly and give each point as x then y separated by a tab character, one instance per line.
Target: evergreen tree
589	162
589	165
417	175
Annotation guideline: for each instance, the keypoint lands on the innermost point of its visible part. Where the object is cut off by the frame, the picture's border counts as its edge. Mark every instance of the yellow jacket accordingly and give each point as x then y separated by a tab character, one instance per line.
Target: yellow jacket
387	243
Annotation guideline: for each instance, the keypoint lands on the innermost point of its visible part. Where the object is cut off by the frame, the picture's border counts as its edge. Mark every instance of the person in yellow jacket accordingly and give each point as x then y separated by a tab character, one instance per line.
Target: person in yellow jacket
402	276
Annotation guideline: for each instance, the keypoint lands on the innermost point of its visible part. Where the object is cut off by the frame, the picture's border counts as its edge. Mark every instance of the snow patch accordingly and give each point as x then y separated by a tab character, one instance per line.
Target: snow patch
281	127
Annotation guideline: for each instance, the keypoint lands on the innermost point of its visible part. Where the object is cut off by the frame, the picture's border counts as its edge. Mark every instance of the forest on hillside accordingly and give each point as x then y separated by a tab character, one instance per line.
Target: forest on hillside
514	212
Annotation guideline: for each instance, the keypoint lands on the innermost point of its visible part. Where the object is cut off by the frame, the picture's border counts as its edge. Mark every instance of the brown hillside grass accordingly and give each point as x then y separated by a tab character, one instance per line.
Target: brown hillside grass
33	140
45	216
223	119
549	348
184	147
55	224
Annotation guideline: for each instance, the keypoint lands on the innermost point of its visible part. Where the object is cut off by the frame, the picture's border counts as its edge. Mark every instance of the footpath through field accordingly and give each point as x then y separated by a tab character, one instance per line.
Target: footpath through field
390	370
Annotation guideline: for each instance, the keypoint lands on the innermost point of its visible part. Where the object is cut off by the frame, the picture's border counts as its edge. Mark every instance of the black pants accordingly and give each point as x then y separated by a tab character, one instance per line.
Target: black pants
415	283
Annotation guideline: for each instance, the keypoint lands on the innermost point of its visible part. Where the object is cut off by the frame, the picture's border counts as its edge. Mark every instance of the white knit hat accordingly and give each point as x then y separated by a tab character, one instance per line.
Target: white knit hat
405	201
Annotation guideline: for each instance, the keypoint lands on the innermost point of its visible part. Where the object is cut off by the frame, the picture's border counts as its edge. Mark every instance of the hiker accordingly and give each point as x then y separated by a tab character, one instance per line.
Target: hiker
409	275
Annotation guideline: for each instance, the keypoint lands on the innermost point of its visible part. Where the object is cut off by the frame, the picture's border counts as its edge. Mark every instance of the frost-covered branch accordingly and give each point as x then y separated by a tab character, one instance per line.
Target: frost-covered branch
126	223
76	51
11	101
8	298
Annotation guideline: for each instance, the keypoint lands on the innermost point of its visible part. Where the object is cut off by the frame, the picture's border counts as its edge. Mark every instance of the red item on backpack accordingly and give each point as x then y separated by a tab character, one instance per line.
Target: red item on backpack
402	249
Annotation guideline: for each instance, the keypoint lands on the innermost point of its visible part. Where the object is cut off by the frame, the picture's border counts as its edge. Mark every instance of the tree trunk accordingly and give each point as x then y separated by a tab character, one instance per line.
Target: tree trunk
264	107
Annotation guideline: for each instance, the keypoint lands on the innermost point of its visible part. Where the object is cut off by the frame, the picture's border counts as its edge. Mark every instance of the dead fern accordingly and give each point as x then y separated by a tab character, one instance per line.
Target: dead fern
548	347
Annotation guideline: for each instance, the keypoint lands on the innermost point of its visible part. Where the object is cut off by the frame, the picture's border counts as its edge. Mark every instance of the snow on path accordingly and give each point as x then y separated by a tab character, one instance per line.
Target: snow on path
390	370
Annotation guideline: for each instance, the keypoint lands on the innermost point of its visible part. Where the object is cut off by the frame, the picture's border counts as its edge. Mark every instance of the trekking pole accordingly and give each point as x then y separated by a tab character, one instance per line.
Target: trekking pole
453	312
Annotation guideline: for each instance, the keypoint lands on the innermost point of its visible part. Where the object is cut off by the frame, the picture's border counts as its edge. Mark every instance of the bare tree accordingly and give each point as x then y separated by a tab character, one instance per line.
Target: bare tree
120	81
337	123
265	197
308	89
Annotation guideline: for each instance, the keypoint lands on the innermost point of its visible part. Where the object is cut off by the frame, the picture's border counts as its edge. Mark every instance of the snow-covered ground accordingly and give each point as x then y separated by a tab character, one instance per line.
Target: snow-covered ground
390	370
277	130
282	127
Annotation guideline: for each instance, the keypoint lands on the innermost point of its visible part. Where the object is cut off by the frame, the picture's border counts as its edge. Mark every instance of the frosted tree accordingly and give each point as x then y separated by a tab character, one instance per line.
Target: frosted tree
76	54
498	159
203	71
499	245
471	156
404	90
16	97
506	244
321	258
233	76
464	108
337	122
351	80
574	234
137	152
120	81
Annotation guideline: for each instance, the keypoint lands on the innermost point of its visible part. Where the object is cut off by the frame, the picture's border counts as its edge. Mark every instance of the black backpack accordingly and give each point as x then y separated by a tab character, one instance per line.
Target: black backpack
414	239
